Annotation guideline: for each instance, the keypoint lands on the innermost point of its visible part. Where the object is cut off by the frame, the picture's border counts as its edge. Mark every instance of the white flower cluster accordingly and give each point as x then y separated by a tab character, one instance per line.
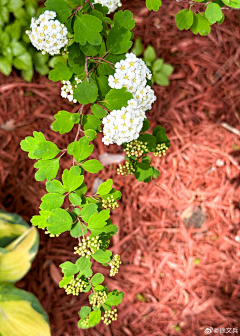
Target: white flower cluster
124	125
67	89
47	34
111	4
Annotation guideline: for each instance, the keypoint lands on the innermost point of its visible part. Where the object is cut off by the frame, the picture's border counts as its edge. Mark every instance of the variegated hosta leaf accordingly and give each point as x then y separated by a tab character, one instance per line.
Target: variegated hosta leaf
21	313
11	227
16	258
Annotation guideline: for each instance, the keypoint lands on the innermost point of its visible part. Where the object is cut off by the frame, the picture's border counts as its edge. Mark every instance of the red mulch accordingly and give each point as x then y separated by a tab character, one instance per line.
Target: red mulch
162	282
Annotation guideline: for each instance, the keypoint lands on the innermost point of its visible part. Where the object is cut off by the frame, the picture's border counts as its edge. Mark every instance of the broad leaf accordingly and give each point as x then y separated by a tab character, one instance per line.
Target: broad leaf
99	219
153	4
72	179
92	166
102	256
87	28
52	201
65	121
124	19
48	169
91	122
114	298
68	268
85	92
87	211
200	25
105	187
116	99
61	7
55	186
184	19
119	40
97	279
213	12
59	221
98	111
80	149
60	72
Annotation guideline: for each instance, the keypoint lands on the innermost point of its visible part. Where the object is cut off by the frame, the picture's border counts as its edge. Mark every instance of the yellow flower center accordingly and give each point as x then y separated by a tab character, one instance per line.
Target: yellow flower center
131	63
116	81
54	26
45	27
115	127
123	117
122	67
126	77
41	34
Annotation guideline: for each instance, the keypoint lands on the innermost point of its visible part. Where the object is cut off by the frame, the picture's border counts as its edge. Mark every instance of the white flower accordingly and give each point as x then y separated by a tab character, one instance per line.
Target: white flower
111	4
68	88
123	125
47	34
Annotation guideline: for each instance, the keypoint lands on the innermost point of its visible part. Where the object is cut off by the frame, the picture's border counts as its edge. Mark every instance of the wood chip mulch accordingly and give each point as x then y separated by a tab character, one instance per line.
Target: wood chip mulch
176	236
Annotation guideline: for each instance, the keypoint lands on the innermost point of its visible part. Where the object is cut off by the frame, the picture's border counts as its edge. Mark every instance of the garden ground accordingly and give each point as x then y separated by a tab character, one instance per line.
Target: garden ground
180	260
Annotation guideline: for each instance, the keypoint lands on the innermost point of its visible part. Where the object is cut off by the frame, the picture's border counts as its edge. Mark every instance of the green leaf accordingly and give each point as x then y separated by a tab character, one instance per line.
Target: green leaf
105	187
161	77
83	263
102	256
119	40
77	231
23	62
90	134
84	311
146	159
146	125
14	5
87	28
90	50
92	166
222	19
60	72
65	121
91	122
157	65
137	48
97	279
59	221
38	147
103	87
68	268
88	211
184	19
153	4
160	134
48	169
156	172
75	199
232	3
117	98
85	92
4	15
17	48
52	201
213	12
124	19
27	74
143	172
200	25
55	186
114	298
149	55
5	65
94	318
80	149
41	220
65	281
72	179
98	111
150	139
73	51
62	9
81	190
98	219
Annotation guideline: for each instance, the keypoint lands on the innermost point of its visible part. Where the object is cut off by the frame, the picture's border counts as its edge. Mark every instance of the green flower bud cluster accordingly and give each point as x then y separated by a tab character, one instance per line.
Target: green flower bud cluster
109	316
160	150
126	169
115	264
88	246
75	286
85	321
98	299
110	203
136	148
51	234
